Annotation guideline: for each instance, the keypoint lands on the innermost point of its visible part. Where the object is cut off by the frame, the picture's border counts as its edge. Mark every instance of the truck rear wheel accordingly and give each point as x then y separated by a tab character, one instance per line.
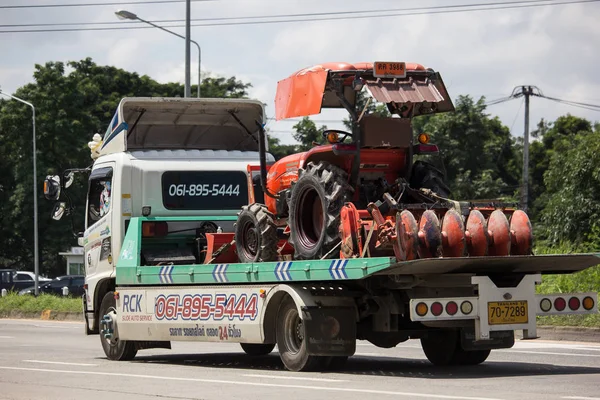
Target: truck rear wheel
256	234
315	206
115	349
443	348
257	349
291	341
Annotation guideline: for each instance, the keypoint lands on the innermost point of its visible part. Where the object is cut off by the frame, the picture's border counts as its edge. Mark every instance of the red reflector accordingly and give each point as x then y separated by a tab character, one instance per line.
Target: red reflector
425	148
559	304
436	308
574	303
451	308
151	229
85	286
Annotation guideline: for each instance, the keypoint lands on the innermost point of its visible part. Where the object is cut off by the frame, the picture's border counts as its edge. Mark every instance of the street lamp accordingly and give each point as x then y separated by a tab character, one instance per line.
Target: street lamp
35	204
123	14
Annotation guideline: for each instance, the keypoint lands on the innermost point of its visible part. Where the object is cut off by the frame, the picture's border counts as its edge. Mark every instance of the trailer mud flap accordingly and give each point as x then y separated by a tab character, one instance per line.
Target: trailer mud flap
329	331
497	340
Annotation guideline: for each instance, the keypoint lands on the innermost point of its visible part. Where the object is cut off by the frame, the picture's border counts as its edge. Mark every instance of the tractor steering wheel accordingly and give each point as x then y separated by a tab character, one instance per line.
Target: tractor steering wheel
337	132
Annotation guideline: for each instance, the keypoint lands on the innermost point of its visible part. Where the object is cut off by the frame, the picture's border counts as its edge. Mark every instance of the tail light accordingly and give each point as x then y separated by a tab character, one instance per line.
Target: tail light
437	308
451	308
155	229
560	304
574	303
588	303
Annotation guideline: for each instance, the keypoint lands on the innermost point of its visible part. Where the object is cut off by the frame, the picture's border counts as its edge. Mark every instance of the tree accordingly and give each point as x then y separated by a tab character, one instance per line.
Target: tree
307	133
70	108
477	152
572	209
279	150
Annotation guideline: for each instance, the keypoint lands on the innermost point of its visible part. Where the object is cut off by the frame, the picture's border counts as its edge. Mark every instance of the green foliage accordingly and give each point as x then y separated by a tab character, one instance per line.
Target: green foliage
572	209
70	108
31	304
279	150
307	133
477	152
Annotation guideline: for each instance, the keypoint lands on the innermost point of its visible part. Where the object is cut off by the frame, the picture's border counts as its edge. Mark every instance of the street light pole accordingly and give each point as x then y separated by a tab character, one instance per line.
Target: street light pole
122	14
187	49
35	203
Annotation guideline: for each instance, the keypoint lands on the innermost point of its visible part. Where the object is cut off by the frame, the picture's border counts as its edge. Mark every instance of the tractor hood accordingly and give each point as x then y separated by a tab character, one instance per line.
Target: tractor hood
183	123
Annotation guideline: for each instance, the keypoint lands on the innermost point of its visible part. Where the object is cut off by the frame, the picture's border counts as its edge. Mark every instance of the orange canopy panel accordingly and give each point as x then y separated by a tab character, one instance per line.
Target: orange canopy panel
301	94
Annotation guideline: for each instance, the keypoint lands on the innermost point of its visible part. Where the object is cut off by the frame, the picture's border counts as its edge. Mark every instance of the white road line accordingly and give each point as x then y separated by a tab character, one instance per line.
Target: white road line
293	377
242	383
580	398
60	363
7	337
549	353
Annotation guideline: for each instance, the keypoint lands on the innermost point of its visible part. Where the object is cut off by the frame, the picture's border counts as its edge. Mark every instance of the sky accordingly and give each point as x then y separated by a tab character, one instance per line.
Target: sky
478	53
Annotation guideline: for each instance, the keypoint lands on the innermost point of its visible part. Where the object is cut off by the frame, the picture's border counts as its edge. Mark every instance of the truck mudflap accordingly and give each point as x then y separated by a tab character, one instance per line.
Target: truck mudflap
491	265
502	308
329	331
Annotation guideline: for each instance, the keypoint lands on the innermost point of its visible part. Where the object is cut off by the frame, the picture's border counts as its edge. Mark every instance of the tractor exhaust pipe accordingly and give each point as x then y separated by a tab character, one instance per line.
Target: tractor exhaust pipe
262	153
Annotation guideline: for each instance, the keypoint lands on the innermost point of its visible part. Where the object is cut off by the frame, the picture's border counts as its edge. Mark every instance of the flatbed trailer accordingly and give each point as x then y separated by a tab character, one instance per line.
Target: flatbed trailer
315	310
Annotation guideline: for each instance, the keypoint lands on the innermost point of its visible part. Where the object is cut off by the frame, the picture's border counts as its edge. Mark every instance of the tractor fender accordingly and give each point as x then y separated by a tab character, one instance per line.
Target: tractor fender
303	297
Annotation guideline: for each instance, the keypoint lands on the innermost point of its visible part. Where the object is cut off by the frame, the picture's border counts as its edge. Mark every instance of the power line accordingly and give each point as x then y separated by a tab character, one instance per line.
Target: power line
163	21
14	6
351	17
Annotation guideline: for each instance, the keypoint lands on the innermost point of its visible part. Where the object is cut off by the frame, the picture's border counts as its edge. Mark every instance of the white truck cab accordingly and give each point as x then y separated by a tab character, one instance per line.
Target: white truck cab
161	157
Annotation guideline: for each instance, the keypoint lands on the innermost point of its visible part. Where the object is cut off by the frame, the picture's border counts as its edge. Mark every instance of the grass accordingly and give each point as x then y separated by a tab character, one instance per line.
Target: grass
587	280
31	304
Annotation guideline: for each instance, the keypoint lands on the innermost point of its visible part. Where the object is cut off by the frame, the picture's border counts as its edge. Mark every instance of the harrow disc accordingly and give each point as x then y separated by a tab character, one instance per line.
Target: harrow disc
522	234
430	235
407	234
477	234
499	232
453	235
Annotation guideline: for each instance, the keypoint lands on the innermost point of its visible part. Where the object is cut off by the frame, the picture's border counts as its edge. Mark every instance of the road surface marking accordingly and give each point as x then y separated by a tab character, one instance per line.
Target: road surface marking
242	383
7	337
549	353
60	363
580	398
293	377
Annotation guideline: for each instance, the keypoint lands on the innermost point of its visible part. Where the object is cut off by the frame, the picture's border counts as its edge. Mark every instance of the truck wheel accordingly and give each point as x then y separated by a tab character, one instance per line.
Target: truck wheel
290	339
335	363
254	349
256	234
315	206
115	349
425	175
440	347
473	357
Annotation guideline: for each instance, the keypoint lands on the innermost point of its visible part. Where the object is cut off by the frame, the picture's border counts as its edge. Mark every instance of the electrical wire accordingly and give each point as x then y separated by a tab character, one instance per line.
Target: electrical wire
587	106
351	17
15	6
161	21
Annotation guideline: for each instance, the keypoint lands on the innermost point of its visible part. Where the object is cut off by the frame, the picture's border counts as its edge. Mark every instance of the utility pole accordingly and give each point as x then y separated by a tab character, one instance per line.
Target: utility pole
526	91
188	89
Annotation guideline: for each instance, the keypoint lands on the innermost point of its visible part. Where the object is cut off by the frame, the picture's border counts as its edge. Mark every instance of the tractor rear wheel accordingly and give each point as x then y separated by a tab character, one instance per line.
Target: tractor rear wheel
256	234
425	175
315	206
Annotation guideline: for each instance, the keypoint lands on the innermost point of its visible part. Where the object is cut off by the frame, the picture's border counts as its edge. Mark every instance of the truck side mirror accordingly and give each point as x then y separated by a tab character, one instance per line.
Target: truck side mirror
59	210
52	187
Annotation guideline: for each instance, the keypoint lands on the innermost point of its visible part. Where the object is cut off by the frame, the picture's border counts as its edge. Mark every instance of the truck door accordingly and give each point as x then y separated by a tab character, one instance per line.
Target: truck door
99	209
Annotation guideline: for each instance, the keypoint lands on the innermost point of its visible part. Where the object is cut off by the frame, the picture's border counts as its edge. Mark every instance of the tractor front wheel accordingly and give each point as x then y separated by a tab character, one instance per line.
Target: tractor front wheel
315	206
256	234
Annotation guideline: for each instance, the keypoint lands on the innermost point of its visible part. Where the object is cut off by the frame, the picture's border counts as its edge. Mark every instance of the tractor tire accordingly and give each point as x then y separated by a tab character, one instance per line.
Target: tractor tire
427	176
115	349
291	341
315	206
256	234
257	349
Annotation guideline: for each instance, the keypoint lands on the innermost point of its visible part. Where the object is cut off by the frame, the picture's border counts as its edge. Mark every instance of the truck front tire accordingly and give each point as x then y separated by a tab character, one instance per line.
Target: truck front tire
115	349
255	349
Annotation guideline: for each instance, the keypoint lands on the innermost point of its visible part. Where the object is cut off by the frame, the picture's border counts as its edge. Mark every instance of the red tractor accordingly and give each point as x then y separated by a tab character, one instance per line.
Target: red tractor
362	194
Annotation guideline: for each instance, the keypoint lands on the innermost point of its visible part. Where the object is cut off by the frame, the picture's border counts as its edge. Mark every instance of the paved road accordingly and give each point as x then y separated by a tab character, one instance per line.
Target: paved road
55	360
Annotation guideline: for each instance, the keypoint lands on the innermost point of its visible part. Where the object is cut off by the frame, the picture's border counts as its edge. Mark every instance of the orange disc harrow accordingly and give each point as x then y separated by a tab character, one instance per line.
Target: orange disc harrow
477	234
407	235
522	234
430	235
499	232
453	235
